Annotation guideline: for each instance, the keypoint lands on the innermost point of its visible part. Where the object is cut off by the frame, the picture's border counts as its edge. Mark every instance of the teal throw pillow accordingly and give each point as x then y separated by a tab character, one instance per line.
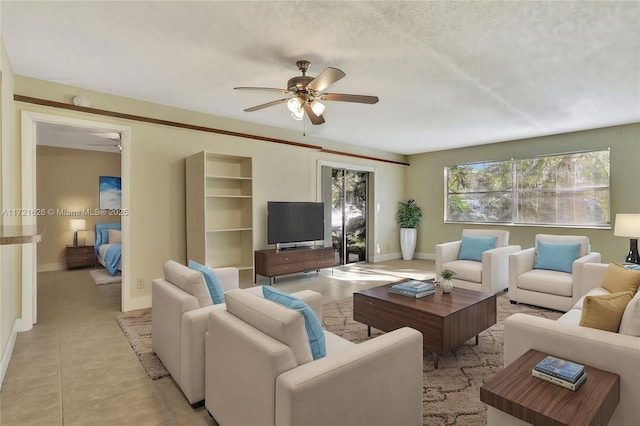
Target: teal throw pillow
472	247
211	279
556	256
311	321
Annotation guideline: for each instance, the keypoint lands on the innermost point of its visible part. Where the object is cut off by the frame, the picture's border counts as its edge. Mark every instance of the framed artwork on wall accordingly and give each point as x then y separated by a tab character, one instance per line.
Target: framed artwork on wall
110	193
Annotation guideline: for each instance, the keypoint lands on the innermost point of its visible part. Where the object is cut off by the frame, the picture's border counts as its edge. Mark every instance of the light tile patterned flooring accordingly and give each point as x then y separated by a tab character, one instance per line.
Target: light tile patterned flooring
75	367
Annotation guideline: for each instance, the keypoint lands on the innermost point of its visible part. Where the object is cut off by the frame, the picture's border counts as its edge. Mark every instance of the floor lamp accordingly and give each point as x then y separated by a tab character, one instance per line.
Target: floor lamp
77	225
628	225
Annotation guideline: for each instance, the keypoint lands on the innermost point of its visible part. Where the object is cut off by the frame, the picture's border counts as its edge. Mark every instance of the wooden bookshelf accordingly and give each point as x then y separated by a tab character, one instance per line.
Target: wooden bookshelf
219	198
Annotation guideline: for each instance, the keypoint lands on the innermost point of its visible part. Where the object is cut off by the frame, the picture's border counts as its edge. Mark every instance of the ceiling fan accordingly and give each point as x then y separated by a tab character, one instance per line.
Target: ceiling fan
307	93
114	137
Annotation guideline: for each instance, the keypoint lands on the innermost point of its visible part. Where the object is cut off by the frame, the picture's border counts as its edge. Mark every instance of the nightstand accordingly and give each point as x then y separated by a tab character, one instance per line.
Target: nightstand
80	256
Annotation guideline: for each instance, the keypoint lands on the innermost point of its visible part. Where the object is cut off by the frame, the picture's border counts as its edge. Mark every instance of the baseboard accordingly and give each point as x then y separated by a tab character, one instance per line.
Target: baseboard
48	267
8	351
392	256
135	303
425	256
384	257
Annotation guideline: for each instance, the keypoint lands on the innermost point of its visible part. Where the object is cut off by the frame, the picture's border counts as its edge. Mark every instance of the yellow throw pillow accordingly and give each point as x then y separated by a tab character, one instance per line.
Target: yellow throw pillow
617	278
604	312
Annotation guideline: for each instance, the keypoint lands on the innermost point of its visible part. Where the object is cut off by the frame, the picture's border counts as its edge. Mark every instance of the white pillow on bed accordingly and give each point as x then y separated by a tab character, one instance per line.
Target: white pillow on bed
115	236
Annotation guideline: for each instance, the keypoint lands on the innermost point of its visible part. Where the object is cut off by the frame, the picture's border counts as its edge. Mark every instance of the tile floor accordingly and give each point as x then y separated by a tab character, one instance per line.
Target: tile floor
75	367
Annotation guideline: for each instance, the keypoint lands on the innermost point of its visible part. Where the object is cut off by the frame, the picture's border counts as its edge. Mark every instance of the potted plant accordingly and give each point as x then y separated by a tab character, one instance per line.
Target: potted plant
408	215
446	284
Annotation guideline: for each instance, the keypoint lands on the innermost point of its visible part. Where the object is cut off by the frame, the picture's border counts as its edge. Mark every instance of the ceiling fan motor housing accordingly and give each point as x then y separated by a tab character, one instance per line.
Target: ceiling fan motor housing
299	83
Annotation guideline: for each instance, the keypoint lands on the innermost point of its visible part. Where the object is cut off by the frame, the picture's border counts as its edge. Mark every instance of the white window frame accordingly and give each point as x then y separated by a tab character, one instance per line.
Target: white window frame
515	219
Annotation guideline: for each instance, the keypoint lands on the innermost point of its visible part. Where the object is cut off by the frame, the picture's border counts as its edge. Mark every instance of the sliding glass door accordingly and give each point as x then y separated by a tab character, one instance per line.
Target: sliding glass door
347	191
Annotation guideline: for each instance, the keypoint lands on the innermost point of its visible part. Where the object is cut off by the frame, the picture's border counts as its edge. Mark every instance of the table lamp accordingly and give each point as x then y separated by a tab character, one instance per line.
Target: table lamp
628	225
77	225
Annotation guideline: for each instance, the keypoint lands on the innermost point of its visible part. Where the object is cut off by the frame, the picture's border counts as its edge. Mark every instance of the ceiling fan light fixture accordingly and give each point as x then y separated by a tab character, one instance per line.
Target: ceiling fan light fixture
317	107
294	104
298	115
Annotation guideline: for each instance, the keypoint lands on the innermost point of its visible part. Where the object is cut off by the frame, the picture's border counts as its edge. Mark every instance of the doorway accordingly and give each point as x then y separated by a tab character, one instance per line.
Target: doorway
348	192
29	124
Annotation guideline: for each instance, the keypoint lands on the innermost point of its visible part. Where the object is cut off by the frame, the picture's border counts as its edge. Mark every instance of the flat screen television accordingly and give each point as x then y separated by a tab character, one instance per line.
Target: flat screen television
294	222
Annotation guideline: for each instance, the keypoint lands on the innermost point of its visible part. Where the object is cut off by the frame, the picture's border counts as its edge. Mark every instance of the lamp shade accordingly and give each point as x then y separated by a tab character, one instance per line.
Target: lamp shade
317	107
294	104
627	225
77	224
298	115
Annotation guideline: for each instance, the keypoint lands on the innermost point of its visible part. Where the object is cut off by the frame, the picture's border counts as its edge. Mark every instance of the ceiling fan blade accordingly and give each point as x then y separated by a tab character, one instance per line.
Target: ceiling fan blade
325	79
268	89
362	99
268	104
315	119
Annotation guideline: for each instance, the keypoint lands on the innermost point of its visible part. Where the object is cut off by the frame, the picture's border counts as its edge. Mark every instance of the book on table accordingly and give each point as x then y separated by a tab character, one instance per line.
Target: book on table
414	286
557	381
413	294
560	368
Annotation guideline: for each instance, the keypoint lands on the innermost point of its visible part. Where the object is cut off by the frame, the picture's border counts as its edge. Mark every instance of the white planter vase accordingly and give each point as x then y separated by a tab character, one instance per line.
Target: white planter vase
408	238
446	285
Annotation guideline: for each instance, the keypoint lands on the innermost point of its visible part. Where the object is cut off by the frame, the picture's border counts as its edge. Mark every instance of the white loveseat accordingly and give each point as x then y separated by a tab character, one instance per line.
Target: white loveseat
260	371
180	308
564	338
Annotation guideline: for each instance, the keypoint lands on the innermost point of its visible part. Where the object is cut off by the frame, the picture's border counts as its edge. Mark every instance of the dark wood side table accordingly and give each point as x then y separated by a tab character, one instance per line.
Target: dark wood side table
80	256
516	392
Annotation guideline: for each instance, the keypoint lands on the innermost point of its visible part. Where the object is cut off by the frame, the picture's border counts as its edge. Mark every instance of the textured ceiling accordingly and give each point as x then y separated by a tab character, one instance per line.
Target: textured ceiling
448	74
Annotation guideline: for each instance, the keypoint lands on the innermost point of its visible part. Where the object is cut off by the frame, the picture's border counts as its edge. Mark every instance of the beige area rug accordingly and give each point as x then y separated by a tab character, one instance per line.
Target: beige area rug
136	326
102	276
451	394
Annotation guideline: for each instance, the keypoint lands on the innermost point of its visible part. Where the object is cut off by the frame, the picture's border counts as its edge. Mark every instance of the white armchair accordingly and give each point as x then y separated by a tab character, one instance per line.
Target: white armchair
548	288
491	275
180	308
260	371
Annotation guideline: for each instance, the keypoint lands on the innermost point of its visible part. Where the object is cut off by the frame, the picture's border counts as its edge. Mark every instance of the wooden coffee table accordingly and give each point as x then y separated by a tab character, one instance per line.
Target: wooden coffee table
516	392
446	321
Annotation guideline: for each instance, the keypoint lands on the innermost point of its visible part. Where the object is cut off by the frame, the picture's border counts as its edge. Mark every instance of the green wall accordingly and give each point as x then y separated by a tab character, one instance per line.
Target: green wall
425	183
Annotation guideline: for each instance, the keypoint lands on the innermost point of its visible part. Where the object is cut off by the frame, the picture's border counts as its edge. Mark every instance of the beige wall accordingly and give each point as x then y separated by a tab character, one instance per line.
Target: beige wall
67	179
156	153
10	256
425	183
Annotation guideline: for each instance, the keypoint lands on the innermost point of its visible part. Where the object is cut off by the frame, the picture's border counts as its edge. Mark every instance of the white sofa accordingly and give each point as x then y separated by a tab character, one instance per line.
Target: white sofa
564	338
489	276
260	371
550	289
180	307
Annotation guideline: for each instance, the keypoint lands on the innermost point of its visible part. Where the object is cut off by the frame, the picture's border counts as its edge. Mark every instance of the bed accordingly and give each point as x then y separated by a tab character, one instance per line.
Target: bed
108	246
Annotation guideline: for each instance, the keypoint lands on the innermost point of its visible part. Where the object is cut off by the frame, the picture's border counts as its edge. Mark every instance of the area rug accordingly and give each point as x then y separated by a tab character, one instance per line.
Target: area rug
102	276
451	394
136	326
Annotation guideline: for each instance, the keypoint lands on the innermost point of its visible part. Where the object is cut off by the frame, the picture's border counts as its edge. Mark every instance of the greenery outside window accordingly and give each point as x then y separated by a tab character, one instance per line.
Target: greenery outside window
570	190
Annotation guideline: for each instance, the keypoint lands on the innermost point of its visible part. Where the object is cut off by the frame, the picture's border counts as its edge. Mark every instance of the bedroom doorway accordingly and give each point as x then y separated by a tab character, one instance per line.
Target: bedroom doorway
35	126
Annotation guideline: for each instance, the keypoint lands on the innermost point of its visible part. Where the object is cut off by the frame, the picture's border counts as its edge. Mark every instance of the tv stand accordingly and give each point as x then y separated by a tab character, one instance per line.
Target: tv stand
291	246
272	263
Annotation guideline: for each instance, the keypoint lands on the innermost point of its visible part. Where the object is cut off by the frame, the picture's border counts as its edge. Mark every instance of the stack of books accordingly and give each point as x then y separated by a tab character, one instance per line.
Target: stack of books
561	372
413	288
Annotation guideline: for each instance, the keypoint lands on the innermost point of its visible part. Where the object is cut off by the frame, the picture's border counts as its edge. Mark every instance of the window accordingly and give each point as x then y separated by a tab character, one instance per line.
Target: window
558	190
